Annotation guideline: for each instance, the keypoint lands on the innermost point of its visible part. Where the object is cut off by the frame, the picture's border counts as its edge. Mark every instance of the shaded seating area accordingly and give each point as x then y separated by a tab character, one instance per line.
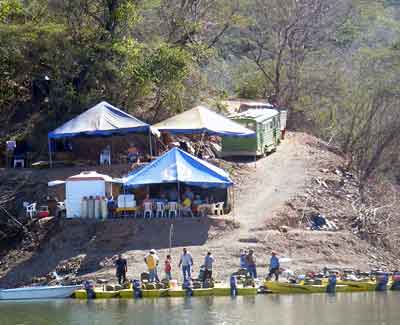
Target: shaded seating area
178	184
102	120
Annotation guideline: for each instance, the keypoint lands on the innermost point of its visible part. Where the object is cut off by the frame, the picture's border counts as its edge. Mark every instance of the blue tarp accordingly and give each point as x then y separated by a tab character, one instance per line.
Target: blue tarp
100	120
178	166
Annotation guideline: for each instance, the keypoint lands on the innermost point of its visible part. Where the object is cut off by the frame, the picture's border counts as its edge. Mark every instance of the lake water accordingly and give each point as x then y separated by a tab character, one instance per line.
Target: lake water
317	309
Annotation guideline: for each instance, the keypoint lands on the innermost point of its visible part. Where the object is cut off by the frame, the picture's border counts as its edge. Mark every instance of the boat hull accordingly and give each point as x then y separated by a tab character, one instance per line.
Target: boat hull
203	292
177	293
341	286
357	286
221	291
281	287
153	293
246	291
99	294
45	292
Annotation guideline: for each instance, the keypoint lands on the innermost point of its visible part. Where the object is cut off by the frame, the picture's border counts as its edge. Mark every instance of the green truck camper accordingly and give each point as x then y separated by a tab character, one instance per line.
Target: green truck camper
266	124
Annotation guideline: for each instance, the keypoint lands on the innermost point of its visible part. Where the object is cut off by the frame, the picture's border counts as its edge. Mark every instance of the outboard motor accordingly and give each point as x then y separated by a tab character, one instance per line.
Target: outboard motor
89	287
233	284
187	285
331	288
396	281
202	273
137	289
382	282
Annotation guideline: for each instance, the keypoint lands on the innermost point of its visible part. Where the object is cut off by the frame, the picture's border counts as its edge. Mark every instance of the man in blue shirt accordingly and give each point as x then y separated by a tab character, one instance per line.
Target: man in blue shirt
208	265
274	266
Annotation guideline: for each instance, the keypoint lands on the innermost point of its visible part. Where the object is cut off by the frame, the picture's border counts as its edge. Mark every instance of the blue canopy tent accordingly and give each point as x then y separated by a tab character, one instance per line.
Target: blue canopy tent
177	166
103	119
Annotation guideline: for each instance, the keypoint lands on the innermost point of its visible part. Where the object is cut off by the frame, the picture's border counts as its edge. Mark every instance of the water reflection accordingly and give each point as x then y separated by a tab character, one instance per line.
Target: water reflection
341	308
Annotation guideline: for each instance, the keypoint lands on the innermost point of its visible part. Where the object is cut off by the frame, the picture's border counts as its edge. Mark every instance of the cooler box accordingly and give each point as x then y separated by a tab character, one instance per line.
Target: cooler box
126	201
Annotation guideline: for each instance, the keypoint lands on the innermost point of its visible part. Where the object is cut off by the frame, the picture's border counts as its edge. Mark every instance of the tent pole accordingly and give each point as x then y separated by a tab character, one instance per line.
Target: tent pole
171	233
179	199
50	158
233	202
150	145
201	143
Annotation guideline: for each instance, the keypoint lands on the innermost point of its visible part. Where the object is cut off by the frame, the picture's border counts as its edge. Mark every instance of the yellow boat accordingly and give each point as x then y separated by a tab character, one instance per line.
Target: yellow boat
126	293
203	292
155	293
99	294
152	293
176	293
246	291
284	287
357	286
221	290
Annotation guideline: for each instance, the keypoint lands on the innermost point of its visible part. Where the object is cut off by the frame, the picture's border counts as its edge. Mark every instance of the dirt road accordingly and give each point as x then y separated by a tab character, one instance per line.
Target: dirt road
275	180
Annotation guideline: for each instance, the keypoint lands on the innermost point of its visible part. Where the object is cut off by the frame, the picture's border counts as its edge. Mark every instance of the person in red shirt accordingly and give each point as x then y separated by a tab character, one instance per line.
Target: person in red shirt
168	267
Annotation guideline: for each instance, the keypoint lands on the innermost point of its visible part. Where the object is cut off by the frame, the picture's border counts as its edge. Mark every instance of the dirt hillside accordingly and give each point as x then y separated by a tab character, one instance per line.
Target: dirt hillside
274	199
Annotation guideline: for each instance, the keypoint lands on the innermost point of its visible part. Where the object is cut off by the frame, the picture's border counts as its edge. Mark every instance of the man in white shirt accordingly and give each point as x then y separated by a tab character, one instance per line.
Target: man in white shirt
186	262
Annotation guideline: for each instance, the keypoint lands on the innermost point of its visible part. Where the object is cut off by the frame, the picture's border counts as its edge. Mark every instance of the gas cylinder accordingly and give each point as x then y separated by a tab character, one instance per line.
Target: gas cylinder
103	207
91	207
97	207
84	207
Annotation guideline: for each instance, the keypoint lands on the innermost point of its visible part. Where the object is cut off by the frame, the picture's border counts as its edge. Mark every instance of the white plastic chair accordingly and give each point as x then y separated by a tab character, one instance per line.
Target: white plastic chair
172	209
60	208
61	205
148	209
160	209
19	162
31	210
218	208
105	157
186	211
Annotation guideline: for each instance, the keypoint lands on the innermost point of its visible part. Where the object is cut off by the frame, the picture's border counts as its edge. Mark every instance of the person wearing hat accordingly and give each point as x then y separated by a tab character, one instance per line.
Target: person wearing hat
121	267
274	266
151	260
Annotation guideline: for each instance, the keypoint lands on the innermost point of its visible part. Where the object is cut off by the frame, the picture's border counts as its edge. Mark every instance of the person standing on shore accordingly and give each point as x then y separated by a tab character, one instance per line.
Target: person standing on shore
208	264
186	262
121	267
151	261
243	255
274	266
168	267
251	264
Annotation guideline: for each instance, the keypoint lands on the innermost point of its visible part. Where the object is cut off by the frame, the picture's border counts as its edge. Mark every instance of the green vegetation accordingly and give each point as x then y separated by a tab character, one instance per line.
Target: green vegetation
335	61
